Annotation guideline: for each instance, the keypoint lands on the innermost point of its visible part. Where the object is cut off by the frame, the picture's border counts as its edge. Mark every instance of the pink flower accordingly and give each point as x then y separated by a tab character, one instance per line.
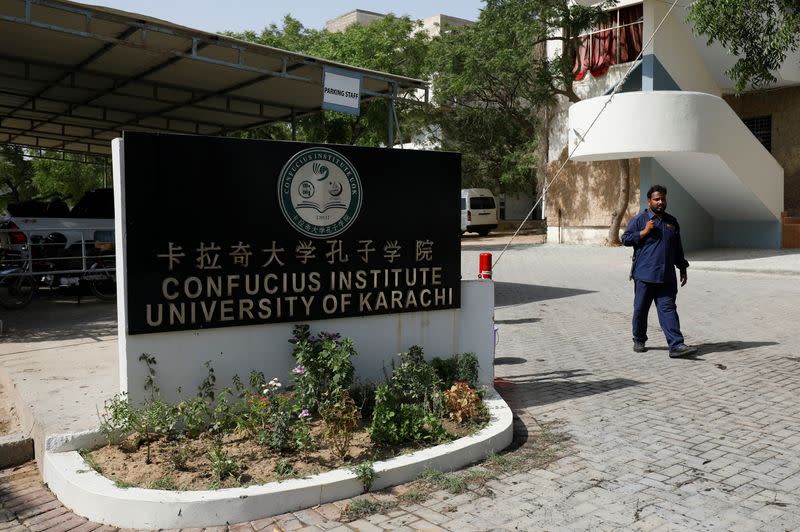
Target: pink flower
304	413
299	370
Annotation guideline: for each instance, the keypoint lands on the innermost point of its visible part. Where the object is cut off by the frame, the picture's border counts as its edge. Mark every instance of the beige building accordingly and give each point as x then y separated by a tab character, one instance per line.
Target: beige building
432	24
356	16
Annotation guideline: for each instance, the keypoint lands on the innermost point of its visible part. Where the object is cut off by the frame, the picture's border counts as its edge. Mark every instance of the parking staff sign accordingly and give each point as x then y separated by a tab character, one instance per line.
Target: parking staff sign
341	90
224	232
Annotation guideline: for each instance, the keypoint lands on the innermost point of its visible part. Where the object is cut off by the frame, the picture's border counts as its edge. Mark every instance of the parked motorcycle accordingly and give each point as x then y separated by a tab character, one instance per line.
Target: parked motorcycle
49	263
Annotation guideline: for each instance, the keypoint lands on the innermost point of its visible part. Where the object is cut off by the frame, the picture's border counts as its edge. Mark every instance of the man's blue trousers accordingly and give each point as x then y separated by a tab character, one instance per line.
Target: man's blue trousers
664	296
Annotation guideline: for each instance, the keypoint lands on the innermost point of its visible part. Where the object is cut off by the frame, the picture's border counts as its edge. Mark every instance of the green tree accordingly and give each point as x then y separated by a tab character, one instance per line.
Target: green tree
16	176
761	33
68	178
391	44
494	85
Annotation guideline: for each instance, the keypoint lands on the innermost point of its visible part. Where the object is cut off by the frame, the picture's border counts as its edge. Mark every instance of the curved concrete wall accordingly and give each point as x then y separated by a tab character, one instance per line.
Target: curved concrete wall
696	137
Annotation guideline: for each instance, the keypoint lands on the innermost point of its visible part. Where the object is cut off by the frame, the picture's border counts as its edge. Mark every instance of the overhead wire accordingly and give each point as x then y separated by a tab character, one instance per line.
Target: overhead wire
583	135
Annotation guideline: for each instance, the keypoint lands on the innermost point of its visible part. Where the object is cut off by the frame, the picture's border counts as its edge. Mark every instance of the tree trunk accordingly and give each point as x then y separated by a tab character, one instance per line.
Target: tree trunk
542	154
542	150
622	202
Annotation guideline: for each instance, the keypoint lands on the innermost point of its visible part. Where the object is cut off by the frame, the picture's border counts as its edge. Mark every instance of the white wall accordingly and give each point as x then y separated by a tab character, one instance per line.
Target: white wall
675	49
233	351
518	205
238	350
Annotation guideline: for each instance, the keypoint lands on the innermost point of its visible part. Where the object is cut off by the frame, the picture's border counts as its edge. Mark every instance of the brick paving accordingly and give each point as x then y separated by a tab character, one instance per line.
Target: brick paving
709	443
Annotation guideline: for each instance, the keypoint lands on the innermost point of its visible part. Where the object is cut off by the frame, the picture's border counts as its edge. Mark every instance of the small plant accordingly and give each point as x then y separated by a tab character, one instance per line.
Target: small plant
257	381
253	416
165	483
90	461
284	469
206	388
116	421
156	419
303	440
178	456
404	423
222	465
122	484
459	367
324	366
463	403
467	368
414	380
364	397
365	472
408	406
341	419
194	416
359	508
223	415
414	496
503	462
451	482
159	419
281	411
150	381
477	475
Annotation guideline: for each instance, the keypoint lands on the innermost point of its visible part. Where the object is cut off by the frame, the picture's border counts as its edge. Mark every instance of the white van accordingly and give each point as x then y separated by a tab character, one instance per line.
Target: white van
478	211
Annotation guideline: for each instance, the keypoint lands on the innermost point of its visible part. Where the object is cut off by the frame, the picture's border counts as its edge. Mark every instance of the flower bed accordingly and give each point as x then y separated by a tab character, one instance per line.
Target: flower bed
263	431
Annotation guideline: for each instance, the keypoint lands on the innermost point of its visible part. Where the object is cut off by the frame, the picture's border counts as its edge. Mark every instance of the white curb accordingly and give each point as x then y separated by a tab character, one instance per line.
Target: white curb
95	497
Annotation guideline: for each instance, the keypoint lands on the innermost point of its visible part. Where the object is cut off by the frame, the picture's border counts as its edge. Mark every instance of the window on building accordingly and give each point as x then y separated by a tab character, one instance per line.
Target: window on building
617	41
761	127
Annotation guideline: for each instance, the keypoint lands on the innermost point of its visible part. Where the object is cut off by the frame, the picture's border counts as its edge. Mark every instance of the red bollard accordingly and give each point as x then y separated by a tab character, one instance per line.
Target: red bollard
485	266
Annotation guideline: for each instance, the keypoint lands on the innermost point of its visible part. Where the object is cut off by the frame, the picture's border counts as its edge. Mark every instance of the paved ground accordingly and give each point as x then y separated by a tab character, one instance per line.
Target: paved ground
709	443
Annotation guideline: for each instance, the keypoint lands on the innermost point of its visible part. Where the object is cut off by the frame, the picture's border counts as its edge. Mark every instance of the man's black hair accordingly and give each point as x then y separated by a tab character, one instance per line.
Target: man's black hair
657	188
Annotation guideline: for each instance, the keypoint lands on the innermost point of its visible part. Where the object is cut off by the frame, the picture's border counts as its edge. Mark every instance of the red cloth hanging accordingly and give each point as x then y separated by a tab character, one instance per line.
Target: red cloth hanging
582	58
597	52
603	52
630	33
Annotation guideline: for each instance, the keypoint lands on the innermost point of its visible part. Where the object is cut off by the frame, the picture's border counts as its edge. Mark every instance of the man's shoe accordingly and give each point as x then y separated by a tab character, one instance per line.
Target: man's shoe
682	350
638	347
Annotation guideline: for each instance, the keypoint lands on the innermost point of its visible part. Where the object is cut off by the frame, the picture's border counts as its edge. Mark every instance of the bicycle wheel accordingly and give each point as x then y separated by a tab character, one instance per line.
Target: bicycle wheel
103	285
16	292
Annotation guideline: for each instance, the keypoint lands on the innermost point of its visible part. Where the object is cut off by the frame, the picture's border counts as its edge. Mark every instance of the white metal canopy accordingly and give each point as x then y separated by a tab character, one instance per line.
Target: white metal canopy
73	76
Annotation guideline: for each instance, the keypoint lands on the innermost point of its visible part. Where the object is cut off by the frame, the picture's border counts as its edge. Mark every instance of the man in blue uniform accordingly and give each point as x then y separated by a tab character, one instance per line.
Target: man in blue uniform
657	251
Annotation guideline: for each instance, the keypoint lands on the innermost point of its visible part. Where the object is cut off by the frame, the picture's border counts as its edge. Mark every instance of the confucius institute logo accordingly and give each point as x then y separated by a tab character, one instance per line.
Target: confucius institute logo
319	192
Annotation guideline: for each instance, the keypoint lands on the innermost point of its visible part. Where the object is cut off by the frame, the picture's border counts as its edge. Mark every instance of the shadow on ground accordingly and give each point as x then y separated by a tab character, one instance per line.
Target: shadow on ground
518	321
536	389
719	347
501	361
725	254
725	347
507	294
480	246
60	318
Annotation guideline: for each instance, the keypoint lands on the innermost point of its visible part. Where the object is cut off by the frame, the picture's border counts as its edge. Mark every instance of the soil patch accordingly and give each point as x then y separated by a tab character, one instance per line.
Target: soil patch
186	465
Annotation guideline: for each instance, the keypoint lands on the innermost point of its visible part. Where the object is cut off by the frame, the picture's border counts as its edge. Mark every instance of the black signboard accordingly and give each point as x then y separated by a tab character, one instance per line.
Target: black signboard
224	232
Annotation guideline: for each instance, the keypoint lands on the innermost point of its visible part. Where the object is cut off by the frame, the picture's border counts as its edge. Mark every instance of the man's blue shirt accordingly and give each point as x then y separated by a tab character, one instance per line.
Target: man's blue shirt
658	254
